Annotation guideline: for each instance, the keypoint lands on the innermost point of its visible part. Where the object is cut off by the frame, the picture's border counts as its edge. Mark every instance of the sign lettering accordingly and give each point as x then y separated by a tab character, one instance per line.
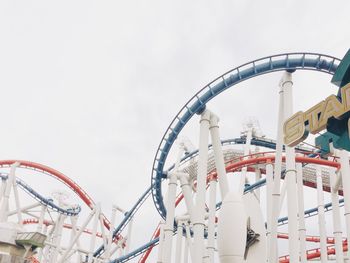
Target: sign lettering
314	120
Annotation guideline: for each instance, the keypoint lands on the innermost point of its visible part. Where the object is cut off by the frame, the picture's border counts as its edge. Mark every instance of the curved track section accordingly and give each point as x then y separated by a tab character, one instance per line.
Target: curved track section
42	200
55	174
289	61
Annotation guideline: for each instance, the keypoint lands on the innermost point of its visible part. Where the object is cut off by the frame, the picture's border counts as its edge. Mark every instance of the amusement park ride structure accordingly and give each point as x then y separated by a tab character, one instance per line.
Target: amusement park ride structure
240	223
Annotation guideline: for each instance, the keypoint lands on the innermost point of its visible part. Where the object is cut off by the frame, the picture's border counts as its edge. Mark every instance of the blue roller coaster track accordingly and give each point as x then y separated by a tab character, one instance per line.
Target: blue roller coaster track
282	62
48	202
290	62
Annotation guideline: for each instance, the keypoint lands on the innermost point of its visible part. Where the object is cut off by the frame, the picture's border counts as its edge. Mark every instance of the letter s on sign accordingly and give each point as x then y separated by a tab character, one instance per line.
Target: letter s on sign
294	129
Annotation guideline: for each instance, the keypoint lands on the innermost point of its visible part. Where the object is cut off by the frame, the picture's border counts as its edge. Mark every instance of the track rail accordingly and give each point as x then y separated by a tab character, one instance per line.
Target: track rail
42	200
55	174
290	61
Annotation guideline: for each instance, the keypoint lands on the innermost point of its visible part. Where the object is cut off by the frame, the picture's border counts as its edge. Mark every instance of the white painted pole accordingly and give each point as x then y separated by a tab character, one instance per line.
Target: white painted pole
128	240
345	173
70	247
211	220
57	236
94	231
257	178
4	204
269	186
41	218
218	155
2	188
41	250
189	242
282	195
18	206
277	178
178	252
103	232
302	228
111	230
117	248
187	192
161	242
292	198
198	217
321	215
170	215
74	220
337	229
243	176
187	247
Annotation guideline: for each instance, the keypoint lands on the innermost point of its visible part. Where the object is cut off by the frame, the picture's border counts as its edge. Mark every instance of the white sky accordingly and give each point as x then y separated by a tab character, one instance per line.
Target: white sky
89	87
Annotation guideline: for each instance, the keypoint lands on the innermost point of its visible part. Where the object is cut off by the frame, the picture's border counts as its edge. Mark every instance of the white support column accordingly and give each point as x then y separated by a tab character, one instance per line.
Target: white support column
118	248
187	247
110	236
321	215
198	220
187	192
292	198
219	156
57	236
18	206
4	203
128	236
40	223
269	186
41	250
178	252
257	178
277	178
74	220
337	229
170	215
161	242
302	228
41	218
2	188
94	231
211	220
103	231
282	196
189	242
70	247
345	173
244	169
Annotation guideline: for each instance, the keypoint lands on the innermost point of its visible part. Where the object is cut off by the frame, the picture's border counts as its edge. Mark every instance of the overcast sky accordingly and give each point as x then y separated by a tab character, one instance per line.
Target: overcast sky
89	87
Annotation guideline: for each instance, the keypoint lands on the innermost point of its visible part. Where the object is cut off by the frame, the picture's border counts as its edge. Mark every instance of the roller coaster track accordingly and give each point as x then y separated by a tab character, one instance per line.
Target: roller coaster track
196	105
291	61
61	178
55	174
48	202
